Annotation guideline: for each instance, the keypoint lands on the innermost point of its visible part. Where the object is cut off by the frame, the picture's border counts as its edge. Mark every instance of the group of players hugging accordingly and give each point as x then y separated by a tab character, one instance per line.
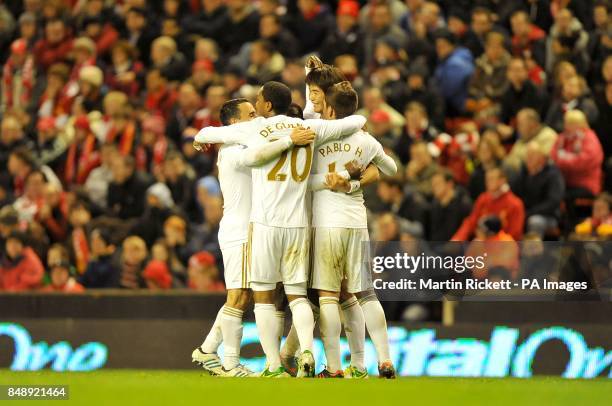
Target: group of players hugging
294	220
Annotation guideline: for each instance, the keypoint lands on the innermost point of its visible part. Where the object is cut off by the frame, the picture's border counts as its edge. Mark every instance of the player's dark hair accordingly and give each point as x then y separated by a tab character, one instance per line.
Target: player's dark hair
295	111
231	110
342	98
325	77
279	95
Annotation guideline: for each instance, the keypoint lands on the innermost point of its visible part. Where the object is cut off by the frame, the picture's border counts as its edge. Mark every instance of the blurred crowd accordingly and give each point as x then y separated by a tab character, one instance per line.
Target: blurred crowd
497	112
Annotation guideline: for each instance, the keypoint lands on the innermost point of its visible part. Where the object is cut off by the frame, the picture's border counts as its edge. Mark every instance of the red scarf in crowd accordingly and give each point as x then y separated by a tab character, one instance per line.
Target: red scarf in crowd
159	152
126	138
78	168
27	81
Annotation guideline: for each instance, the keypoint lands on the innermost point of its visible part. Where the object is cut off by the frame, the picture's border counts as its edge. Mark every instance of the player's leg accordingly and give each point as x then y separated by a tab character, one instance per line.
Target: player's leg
235	260
294	271
376	324
206	354
265	243
290	350
328	270
231	327
354	328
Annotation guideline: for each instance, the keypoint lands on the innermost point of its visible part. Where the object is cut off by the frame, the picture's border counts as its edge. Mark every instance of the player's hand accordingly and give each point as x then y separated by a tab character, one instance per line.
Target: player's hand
313	62
354	170
337	183
198	146
302	136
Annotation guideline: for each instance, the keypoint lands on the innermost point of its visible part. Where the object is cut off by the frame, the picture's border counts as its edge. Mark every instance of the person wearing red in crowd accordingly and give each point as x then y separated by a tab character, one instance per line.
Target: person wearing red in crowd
202	76
61	272
84	53
18	78
53	101
21	270
103	34
82	156
126	71
528	40
157	276
499	249
150	152
498	200
578	153
203	273
160	97
119	127
56	44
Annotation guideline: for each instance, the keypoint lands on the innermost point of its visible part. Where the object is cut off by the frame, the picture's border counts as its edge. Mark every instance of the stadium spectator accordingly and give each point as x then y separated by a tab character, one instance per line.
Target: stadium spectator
528	40
577	152
131	263
490	154
420	169
102	33
180	182
126	72
203	75
453	71
374	100
411	205
55	45
19	77
204	274
99	179
600	222
82	155
450	205
489	82
497	200
347	37
567	40
382	128
157	276
502	259
159	206
530	129
126	193
540	186
265	63
575	95
50	147
311	22
186	113
481	24
417	128
21	269
139	31
522	93
166	57
61	273
381	25
101	271
242	27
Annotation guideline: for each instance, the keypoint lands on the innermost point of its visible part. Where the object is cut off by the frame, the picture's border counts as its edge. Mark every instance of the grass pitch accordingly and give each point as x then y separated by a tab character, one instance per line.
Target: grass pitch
132	387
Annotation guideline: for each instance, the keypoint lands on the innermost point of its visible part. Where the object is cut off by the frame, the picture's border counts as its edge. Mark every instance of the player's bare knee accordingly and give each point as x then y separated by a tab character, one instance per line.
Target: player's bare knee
265	297
327	293
344	296
239	298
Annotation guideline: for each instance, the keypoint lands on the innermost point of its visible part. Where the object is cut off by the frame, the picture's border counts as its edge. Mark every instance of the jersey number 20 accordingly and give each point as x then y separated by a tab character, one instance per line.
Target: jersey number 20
274	174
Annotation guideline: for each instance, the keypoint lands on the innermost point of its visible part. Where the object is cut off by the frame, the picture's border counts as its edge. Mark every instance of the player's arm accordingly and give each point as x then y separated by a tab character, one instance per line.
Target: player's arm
329	130
261	154
385	163
232	134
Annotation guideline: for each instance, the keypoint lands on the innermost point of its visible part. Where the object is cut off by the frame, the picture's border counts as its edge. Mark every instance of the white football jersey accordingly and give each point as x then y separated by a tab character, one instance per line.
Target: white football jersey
235	182
340	210
279	186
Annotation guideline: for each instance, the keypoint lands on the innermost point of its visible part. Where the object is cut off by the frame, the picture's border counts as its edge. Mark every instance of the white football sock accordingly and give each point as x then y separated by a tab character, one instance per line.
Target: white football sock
377	326
354	328
214	338
231	327
303	320
280	321
330	327
267	326
291	345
